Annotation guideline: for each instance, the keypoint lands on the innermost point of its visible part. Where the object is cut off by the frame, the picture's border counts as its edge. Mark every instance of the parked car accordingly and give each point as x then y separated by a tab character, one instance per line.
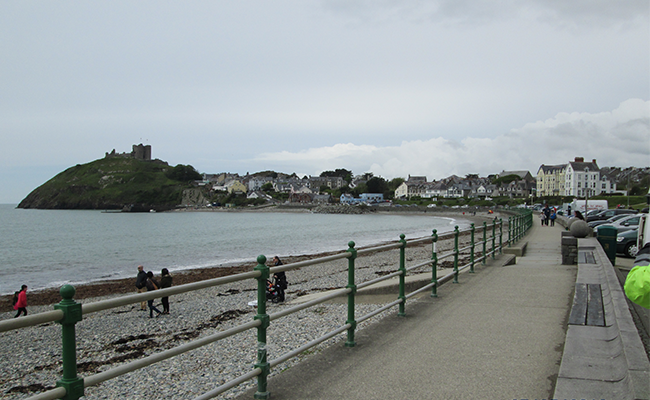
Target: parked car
626	243
615	218
624	224
606	214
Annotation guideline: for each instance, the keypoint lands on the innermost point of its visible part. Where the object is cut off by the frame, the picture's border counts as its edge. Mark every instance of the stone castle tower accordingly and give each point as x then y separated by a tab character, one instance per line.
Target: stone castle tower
140	152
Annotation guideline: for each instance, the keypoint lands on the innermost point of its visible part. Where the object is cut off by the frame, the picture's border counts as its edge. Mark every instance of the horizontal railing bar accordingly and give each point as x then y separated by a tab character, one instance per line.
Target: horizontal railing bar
309	345
446	255
137	298
154	358
53	394
31	320
308	263
426	239
229	385
377	280
422	289
379	248
466	248
422	264
307	304
379	310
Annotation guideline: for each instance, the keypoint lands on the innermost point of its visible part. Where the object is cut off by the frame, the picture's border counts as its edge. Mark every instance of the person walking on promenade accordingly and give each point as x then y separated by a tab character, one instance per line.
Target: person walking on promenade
21	301
552	217
140	282
547	214
165	282
152	284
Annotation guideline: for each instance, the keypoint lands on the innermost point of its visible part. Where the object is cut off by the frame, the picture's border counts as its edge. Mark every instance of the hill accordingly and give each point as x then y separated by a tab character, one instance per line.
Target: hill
114	183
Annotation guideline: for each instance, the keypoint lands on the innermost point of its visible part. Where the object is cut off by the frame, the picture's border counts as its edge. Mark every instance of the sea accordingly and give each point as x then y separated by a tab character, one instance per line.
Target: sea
49	248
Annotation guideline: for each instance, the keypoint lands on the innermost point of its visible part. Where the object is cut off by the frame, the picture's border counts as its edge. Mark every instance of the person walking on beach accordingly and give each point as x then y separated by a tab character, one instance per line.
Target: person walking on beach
280	279
152	284
165	282
21	301
140	284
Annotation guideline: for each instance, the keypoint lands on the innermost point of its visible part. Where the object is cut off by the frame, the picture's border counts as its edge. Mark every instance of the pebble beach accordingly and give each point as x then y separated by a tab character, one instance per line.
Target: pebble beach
31	361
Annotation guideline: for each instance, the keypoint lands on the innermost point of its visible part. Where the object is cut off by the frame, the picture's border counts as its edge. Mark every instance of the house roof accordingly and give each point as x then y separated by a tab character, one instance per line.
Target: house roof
546	169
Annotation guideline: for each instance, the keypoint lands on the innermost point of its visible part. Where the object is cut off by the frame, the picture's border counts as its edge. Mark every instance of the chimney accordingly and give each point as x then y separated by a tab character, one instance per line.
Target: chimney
580	159
593	161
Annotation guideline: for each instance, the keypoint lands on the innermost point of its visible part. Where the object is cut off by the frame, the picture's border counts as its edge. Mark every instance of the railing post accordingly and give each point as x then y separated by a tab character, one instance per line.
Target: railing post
509	231
353	255
484	258
402	277
494	237
471	250
500	235
262	362
434	265
456	254
74	386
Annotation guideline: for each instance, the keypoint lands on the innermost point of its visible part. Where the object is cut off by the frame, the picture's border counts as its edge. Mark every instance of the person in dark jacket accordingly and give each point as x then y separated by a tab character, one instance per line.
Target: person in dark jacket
21	303
140	282
280	279
152	284
165	282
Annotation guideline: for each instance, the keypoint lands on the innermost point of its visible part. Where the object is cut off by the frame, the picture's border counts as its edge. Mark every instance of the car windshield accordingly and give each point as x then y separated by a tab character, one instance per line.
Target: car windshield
629	219
617	217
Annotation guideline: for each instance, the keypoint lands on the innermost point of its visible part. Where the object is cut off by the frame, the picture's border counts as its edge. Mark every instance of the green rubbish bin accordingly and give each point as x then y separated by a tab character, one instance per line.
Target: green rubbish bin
607	238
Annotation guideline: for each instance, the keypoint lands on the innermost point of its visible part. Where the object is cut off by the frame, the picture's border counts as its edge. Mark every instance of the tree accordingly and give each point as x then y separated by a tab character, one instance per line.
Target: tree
340	172
183	173
267	187
377	184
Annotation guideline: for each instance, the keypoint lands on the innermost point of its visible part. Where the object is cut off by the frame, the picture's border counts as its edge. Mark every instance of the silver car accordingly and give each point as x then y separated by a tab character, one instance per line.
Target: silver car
623	224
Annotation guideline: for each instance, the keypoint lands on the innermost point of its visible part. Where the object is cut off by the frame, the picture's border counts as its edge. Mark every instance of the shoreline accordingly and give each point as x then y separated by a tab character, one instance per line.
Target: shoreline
108	287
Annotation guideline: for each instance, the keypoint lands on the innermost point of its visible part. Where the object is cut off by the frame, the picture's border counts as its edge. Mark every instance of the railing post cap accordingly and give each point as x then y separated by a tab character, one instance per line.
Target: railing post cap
67	292
351	244
261	259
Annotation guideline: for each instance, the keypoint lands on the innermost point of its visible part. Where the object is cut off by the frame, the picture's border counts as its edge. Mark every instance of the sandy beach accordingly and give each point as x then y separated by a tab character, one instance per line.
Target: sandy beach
117	336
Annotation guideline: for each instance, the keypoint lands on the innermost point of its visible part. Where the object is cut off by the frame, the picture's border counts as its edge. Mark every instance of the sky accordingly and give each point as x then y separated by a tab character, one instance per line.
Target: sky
395	88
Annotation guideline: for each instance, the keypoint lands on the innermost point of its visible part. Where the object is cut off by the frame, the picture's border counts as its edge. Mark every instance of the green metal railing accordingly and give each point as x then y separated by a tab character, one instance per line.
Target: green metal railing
68	312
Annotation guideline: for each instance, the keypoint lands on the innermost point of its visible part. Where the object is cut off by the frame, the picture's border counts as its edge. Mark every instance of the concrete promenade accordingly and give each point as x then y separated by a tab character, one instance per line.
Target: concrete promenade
497	334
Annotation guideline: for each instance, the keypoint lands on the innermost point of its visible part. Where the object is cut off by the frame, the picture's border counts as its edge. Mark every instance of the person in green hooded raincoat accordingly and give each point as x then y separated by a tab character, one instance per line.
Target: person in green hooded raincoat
637	283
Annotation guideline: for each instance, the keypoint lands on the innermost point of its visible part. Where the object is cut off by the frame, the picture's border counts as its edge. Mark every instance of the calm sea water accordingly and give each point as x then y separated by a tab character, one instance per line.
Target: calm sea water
47	248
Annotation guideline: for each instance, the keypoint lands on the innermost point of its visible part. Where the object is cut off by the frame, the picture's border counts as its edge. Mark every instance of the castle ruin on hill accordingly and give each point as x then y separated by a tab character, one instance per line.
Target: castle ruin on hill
139	152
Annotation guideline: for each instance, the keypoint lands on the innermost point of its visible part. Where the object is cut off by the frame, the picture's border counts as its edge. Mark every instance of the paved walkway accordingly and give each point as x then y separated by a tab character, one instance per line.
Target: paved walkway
498	334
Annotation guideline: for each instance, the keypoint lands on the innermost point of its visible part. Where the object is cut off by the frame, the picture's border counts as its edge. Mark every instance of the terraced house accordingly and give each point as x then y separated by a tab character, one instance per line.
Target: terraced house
576	178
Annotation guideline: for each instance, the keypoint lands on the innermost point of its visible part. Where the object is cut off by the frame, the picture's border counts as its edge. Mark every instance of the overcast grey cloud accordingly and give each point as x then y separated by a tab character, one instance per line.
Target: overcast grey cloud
393	87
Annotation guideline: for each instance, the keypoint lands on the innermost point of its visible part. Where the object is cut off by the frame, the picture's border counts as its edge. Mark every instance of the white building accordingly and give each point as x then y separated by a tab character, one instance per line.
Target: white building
582	178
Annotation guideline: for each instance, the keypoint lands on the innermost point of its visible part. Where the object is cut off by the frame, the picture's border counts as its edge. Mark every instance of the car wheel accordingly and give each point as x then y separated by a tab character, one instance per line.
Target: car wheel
631	249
